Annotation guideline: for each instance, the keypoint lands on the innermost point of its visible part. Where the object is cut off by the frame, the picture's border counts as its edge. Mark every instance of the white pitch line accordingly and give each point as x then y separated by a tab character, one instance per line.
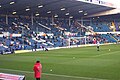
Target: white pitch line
106	54
87	78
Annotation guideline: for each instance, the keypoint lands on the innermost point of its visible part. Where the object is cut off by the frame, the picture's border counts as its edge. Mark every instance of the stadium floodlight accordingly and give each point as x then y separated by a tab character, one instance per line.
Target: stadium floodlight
12	2
14	12
40	6
37	14
27	9
56	16
62	9
71	16
0	6
80	11
49	12
67	14
85	14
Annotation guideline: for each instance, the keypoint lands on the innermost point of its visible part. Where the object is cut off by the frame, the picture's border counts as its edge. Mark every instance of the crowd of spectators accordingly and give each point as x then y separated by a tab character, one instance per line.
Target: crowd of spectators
31	37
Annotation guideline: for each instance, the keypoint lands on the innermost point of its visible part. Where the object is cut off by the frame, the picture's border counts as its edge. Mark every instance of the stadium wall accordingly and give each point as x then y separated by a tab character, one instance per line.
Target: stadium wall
23	51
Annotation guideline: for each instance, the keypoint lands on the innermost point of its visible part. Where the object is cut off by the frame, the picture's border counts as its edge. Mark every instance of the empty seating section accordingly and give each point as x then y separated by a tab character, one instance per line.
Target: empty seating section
101	27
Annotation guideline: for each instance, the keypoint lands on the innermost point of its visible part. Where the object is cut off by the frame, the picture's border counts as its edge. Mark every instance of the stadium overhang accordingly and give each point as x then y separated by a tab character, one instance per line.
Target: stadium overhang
105	13
49	8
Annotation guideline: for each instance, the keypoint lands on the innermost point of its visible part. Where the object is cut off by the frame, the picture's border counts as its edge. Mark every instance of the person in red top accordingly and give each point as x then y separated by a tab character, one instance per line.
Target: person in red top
37	70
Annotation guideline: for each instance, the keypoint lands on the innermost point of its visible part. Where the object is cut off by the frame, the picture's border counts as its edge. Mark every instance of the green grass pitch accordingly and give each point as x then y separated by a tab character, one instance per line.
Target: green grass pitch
82	63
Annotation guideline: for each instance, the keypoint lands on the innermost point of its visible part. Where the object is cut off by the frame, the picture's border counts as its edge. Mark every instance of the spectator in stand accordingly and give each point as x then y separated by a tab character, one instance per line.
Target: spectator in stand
35	46
46	49
42	47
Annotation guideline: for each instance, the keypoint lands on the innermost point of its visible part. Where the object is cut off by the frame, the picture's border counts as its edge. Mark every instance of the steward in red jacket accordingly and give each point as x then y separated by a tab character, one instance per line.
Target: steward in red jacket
37	70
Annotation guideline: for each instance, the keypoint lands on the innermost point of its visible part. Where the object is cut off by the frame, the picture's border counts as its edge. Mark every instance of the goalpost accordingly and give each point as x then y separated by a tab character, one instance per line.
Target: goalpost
73	41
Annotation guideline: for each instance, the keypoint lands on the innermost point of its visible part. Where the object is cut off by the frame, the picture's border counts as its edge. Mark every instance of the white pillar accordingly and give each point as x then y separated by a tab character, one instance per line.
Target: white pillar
82	21
85	40
69	21
6	20
32	18
52	19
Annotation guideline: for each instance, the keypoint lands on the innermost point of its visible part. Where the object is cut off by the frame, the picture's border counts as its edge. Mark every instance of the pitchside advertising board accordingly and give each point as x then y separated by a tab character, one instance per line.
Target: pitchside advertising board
6	52
5	76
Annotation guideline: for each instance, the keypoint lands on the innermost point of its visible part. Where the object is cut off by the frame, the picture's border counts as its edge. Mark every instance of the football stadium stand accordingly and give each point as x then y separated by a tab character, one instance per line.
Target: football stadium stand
28	29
